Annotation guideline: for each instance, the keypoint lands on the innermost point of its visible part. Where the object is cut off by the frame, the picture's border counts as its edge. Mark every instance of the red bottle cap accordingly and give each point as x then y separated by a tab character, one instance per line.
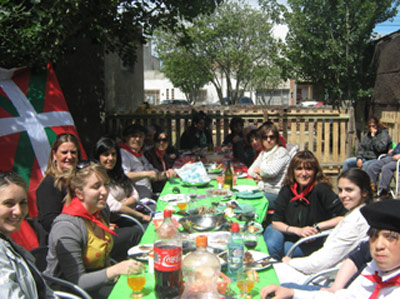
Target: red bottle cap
235	227
167	213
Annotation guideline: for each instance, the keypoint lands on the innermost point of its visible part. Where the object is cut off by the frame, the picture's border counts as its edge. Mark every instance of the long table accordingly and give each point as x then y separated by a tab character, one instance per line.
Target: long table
267	276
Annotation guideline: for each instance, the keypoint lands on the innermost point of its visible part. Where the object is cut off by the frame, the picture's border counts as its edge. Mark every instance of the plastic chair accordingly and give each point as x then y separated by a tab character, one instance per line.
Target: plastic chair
324	278
322	234
81	293
132	219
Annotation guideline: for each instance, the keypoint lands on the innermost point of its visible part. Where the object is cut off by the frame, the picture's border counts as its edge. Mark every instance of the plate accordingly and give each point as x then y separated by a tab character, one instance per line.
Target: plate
140	252
249	194
214	170
241	175
174	197
201	184
243	188
242	209
257	255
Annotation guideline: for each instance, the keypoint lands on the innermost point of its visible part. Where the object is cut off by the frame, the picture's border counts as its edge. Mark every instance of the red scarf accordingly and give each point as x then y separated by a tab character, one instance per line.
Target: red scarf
303	194
394	281
125	147
76	208
161	156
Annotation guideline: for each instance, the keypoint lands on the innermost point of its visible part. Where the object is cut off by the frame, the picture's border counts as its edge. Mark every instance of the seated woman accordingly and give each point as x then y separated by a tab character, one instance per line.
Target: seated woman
159	158
270	166
64	155
354	192
305	205
122	196
80	240
236	134
19	278
375	143
248	149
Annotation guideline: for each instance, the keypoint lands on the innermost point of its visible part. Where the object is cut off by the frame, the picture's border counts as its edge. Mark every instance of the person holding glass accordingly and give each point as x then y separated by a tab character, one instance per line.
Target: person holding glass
19	278
270	166
305	205
81	240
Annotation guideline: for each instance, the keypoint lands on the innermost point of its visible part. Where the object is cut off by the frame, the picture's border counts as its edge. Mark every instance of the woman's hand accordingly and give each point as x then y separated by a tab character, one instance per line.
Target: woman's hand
359	163
306	231
276	292
286	259
126	267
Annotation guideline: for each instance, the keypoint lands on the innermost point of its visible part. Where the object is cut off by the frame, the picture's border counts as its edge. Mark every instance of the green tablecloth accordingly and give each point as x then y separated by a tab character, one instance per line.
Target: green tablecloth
267	276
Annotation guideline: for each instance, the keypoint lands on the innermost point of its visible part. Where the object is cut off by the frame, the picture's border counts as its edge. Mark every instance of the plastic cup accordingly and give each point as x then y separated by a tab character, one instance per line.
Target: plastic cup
220	181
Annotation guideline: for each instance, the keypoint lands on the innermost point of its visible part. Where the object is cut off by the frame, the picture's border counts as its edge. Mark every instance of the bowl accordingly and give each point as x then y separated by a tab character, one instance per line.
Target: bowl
204	222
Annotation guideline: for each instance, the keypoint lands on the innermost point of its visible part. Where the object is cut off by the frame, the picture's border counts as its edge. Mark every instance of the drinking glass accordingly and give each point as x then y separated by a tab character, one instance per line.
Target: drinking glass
136	282
245	283
182	205
192	192
250	240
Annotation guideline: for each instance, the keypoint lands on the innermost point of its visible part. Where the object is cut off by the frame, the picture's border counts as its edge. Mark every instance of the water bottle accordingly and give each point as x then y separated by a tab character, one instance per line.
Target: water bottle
235	252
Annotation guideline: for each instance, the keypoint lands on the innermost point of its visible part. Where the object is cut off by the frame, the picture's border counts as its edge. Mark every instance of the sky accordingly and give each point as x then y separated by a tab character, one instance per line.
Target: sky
383	28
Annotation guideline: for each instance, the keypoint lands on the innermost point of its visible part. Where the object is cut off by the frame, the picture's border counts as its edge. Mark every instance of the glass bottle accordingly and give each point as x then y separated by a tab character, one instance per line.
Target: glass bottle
201	270
228	181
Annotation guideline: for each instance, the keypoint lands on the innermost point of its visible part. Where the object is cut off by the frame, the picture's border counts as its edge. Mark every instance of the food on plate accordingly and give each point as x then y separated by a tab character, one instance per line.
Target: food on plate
252	275
253	228
232	205
218	192
146	247
248	258
204	210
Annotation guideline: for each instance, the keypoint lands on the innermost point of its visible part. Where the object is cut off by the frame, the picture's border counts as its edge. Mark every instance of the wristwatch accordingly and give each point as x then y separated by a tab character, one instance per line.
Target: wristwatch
317	227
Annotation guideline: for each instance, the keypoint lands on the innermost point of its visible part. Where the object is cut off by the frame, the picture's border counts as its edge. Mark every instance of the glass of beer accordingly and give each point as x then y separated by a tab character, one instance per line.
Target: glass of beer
245	283
136	282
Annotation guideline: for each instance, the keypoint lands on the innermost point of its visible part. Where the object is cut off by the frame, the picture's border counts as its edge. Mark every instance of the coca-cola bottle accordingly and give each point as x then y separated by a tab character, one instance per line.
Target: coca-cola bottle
167	260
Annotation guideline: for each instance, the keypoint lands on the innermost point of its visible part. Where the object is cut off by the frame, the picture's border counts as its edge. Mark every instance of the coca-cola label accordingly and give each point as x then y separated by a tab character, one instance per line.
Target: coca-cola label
167	259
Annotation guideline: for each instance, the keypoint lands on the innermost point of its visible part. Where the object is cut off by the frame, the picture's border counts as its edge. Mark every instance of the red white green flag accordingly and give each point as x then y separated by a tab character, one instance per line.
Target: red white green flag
33	112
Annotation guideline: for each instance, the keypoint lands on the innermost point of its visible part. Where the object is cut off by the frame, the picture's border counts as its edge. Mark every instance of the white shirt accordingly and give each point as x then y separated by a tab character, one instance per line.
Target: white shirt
361	287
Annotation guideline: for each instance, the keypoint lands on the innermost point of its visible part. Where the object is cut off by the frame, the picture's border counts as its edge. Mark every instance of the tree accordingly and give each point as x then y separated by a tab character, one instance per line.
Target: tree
35	32
329	42
226	46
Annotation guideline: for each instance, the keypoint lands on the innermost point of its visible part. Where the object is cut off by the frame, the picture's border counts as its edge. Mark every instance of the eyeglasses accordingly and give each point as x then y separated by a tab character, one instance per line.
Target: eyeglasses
162	139
266	137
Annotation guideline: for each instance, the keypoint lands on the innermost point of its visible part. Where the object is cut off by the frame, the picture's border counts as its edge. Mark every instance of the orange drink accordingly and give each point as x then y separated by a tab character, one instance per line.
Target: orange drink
245	285
182	205
136	283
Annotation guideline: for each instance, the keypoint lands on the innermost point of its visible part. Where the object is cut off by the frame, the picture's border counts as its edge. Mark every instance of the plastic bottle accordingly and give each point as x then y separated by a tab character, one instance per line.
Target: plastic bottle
235	252
228	181
167	259
201	270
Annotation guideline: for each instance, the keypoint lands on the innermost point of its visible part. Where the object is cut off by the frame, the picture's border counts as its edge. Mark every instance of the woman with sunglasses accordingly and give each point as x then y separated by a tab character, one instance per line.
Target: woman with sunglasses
80	240
159	157
305	205
122	197
19	278
64	156
270	166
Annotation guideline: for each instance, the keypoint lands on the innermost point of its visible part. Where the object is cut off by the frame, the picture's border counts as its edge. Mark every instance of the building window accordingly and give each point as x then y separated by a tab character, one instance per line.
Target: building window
152	96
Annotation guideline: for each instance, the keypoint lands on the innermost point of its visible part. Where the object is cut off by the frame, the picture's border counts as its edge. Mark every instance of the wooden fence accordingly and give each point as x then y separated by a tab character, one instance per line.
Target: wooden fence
391	120
326	132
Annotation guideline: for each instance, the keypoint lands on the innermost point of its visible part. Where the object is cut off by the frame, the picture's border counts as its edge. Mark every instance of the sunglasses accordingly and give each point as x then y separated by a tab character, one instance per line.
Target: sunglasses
266	137
82	165
162	139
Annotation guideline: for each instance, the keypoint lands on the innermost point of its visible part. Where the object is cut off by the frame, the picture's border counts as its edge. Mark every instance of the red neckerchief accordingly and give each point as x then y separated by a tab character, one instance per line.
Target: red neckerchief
76	208
161	156
394	281
303	194
125	147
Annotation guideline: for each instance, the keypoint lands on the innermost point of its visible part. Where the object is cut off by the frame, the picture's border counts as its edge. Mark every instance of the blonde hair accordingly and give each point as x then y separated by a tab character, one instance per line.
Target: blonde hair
77	178
8	178
62	138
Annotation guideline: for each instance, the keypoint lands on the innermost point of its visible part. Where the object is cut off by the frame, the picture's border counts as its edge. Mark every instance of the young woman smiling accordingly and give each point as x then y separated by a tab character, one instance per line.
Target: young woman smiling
305	205
19	278
80	240
354	193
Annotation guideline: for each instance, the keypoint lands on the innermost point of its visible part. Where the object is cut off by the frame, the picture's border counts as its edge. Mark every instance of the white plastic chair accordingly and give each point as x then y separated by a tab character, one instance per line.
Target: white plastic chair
396	176
322	234
134	220
68	285
324	278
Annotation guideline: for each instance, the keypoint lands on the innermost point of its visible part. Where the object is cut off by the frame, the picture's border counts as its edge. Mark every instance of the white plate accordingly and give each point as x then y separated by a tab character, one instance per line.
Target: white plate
174	197
242	175
243	188
143	249
259	255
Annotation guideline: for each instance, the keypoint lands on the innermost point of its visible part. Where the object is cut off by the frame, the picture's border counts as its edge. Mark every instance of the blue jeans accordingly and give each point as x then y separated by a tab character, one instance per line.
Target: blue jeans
271	200
352	162
291	285
277	245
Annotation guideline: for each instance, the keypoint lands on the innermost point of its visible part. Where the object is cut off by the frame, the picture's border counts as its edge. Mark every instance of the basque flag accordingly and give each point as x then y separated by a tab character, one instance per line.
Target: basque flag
33	112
